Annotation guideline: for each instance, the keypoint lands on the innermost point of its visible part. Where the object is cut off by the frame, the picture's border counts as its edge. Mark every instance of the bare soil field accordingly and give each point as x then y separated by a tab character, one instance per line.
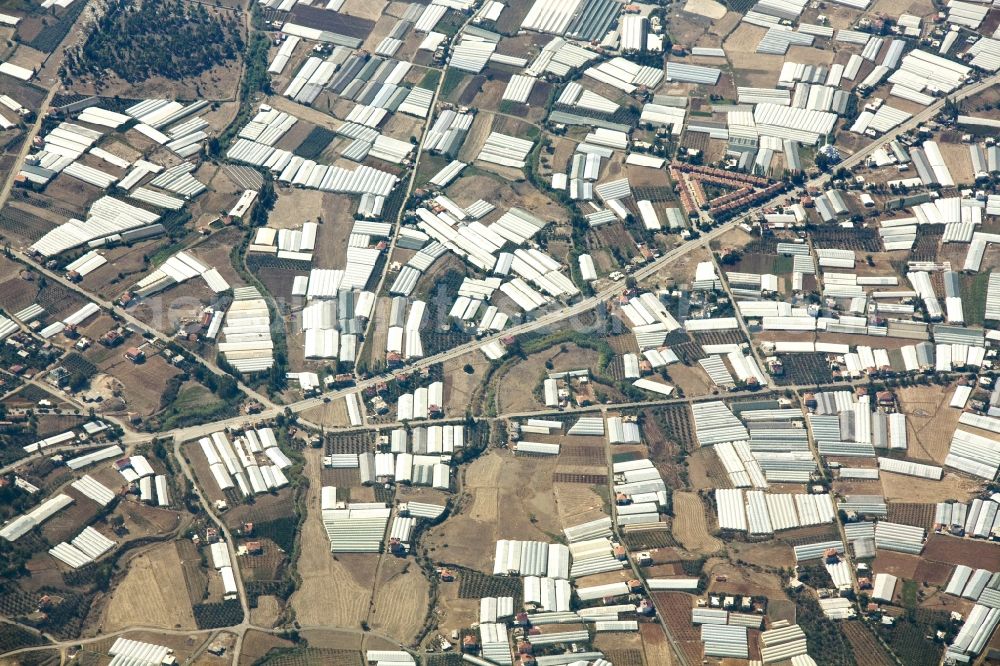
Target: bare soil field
679	272
223	192
766	554
907	513
620	648
143	383
452	611
381	29
291	140
341	23
514	393
900	488
461	386
65	525
125	267
956	158
214	251
675	609
897	7
901	565
521	485
641	176
707	8
480	130
562	150
764	73
930	422
692	379
331	239
694	29
970	552
25	56
857	486
154	590
810	55
655	645
142	520
491	92
933	573
335	590
288	211
332	414
256	644
741	580
167	310
525	490
265	509
935	600
195	575
705	470
401	599
691	527
375	343
364	9
267	611
577	503
504	194
744	39
402	127
525	45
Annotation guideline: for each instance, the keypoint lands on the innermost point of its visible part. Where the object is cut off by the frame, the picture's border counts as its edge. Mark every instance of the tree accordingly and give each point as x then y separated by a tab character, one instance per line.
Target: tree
952	108
227	388
78	381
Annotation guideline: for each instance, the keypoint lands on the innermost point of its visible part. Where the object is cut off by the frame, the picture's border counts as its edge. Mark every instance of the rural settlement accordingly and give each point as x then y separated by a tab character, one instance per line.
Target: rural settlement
500	332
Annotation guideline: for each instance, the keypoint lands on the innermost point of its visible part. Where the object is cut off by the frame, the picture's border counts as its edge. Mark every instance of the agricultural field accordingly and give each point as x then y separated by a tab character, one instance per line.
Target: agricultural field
928	418
676	614
155	576
863	642
471	195
485	489
918	515
512	397
691	527
907	641
401	602
334	590
804	370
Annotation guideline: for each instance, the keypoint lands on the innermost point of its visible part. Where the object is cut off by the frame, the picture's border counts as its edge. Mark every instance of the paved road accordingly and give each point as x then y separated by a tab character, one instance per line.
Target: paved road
52	83
917	120
546	319
754	350
554	317
207	634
